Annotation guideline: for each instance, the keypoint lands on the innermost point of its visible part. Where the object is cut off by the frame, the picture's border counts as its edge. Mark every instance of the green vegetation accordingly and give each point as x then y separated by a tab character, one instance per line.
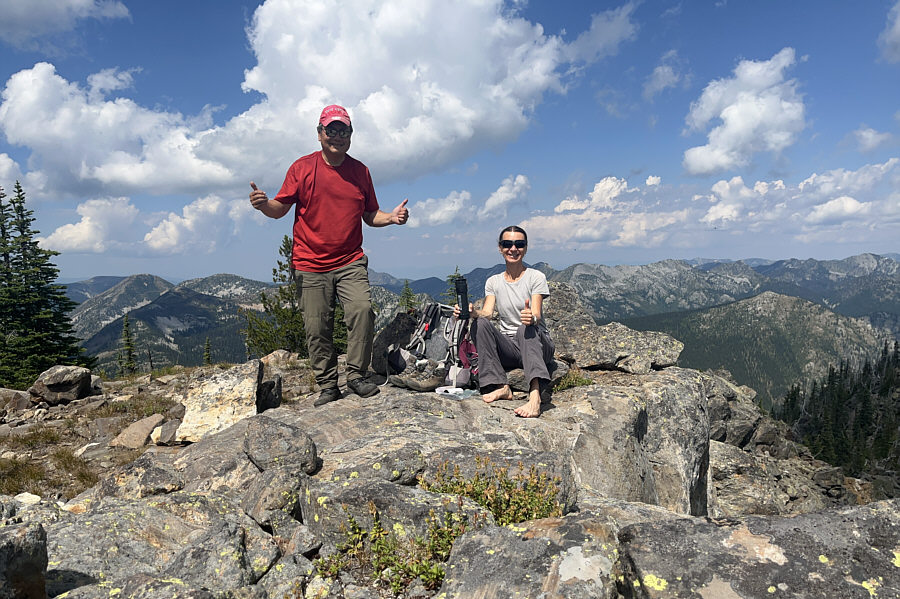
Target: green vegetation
525	496
281	324
50	466
18	476
125	359
849	417
767	343
407	298
36	437
135	408
573	378
380	557
71	475
34	321
449	295
82	476
207	353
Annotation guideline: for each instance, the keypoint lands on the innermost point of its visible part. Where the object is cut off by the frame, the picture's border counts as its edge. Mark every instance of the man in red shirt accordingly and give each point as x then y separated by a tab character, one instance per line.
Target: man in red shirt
332	194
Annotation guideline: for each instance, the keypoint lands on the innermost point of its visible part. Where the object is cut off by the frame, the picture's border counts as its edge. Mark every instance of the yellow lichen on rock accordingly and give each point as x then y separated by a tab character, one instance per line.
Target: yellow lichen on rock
871	585
654	582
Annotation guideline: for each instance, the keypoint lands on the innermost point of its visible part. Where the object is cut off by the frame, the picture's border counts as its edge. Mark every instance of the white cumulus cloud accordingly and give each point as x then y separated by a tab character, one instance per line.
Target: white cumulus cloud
427	84
606	217
104	224
842	181
9	169
202	226
757	110
652	180
889	40
730	199
440	211
24	21
837	210
88	144
841	206
869	139
667	74
510	190
608	30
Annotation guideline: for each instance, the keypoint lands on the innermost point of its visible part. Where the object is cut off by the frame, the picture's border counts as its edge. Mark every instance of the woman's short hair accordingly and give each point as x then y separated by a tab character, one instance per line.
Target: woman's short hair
512	229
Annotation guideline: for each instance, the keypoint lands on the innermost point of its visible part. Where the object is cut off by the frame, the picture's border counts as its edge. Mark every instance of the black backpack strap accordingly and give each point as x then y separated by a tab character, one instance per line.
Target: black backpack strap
416	343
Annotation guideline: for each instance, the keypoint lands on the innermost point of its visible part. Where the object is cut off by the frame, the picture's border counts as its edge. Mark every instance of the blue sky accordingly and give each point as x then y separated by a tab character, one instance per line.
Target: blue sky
614	132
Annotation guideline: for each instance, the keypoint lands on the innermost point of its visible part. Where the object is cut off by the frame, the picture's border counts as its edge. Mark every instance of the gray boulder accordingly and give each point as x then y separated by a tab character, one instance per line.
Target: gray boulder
12	401
178	535
61	384
137	434
23	562
581	341
615	346
848	552
574	556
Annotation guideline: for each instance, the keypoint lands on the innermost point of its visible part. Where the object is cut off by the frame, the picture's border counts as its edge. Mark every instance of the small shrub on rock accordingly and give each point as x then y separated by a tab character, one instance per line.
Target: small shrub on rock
573	378
379	558
525	496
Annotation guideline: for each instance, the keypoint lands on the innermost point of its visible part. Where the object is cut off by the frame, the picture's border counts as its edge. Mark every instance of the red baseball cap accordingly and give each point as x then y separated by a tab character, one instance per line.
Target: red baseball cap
334	113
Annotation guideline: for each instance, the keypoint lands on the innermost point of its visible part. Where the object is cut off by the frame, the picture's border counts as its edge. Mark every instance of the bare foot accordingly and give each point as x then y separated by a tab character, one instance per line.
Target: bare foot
503	392
531	408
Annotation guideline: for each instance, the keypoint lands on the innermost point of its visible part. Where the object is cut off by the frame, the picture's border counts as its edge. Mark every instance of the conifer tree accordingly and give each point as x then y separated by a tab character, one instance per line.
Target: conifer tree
34	322
407	298
449	295
7	301
281	324
207	353
125	359
848	418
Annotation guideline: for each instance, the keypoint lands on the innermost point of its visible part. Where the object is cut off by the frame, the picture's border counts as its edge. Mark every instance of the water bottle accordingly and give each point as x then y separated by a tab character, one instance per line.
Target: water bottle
462	297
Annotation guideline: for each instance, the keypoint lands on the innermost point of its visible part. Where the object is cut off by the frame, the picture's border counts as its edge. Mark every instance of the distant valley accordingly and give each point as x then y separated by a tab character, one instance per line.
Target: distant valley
769	323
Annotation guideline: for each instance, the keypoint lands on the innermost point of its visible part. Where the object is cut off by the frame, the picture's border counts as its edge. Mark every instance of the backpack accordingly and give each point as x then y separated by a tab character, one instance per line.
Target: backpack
440	343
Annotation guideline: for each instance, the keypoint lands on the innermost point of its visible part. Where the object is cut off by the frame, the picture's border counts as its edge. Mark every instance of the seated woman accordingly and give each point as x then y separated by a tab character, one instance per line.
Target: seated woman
523	340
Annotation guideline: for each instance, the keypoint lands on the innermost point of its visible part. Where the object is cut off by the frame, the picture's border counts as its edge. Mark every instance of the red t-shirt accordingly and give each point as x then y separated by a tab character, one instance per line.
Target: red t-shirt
329	204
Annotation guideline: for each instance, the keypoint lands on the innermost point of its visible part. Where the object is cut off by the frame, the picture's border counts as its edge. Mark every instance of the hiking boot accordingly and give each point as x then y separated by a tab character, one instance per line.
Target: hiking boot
327	396
363	387
397	380
426	380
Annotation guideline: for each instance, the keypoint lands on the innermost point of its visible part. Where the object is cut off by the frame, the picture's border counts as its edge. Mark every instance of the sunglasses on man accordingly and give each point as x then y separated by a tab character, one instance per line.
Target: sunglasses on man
519	243
335	132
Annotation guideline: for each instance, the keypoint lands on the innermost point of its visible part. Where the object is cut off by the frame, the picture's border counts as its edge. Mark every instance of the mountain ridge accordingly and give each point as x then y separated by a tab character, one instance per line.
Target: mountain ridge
775	340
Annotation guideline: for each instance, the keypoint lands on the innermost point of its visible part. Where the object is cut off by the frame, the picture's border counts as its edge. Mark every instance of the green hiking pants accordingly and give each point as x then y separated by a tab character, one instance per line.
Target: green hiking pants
318	292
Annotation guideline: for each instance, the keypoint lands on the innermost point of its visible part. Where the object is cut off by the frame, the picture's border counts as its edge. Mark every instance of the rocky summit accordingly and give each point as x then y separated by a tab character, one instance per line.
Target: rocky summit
639	479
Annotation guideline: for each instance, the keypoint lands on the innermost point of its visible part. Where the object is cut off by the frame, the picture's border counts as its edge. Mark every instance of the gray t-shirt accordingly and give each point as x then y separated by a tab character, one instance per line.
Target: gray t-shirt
510	297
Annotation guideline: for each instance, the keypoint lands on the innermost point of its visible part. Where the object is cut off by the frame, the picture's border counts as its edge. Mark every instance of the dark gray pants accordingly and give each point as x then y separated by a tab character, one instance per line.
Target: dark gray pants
531	349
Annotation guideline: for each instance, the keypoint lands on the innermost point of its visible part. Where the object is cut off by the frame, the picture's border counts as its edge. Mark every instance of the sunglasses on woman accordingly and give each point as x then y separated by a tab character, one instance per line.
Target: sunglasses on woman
508	243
